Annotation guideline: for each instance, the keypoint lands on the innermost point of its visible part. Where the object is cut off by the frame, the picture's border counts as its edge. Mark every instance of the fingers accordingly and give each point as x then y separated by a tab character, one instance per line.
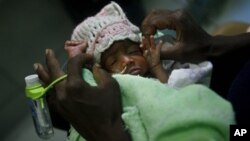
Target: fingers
151	23
160	19
159	45
147	27
73	43
80	44
103	79
75	66
152	42
55	71
145	53
170	52
144	43
83	46
74	48
42	73
148	44
53	65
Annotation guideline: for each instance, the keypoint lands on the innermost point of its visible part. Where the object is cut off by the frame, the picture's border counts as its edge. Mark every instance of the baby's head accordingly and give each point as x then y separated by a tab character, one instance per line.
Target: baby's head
113	41
124	56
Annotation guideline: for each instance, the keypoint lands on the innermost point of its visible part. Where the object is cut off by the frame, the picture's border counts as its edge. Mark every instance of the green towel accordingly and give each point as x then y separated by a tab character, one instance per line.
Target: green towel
155	112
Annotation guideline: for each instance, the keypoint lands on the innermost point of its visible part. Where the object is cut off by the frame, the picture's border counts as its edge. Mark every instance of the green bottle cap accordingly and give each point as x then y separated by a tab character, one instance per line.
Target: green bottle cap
34	89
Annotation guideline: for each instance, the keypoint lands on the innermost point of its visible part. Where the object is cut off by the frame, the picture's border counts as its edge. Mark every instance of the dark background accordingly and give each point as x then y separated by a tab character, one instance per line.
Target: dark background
28	27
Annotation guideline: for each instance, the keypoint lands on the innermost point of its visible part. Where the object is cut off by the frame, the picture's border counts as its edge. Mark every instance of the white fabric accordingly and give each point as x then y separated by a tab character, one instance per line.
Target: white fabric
107	26
195	73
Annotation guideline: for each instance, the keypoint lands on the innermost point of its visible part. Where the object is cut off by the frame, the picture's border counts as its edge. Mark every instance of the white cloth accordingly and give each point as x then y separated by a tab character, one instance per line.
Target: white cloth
195	73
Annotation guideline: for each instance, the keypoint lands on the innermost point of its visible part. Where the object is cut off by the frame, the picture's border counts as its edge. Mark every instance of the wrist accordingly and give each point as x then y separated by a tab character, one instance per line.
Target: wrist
215	48
222	45
159	73
155	68
113	132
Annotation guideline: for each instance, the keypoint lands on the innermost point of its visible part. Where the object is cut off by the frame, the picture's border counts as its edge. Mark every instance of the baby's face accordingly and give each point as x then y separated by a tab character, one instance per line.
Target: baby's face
124	57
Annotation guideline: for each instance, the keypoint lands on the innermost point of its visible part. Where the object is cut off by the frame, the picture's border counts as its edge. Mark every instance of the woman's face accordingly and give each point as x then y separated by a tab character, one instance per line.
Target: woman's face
124	57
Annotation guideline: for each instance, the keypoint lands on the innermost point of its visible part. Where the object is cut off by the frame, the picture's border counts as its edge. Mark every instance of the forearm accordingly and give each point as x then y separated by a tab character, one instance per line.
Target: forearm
222	45
117	132
108	132
159	73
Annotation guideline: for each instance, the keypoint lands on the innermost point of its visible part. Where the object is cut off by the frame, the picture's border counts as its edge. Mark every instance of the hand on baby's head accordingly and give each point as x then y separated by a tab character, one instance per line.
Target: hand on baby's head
74	48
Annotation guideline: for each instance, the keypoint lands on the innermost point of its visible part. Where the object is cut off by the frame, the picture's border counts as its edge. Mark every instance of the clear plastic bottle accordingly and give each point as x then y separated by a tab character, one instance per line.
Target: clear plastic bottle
38	105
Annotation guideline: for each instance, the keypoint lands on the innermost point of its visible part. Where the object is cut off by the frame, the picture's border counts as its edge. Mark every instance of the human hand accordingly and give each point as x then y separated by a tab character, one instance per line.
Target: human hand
192	44
95	112
151	52
74	48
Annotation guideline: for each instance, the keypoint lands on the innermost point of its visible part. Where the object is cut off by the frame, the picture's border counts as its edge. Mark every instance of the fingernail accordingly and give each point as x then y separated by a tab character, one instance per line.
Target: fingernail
35	66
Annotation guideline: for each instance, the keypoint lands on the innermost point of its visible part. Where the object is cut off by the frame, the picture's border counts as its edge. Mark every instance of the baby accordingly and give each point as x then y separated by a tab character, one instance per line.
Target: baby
114	43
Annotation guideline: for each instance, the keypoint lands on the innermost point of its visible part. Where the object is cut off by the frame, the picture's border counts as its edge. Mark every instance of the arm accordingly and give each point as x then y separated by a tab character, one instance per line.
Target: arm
96	117
193	44
152	54
222	45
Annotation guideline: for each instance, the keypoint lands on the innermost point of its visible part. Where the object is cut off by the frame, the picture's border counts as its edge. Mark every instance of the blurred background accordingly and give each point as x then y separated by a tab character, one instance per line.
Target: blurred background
28	27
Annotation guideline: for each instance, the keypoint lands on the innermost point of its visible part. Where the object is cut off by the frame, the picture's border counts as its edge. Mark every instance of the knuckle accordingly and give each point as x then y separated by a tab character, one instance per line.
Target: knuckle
73	86
180	14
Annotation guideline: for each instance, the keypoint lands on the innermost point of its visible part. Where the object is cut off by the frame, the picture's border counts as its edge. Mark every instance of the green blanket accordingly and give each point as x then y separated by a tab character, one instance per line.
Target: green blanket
155	112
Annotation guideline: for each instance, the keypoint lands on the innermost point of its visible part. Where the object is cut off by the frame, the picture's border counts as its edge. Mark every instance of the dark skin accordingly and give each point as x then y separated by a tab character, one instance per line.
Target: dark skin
74	48
152	55
95	112
129	54
123	54
193	45
128	58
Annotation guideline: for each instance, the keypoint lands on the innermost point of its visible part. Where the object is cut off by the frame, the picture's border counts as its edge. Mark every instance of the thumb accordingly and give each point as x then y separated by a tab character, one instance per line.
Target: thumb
169	52
102	78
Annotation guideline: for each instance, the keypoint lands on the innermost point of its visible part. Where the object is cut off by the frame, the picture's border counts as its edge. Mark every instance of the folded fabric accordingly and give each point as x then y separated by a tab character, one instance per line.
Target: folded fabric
155	112
192	74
